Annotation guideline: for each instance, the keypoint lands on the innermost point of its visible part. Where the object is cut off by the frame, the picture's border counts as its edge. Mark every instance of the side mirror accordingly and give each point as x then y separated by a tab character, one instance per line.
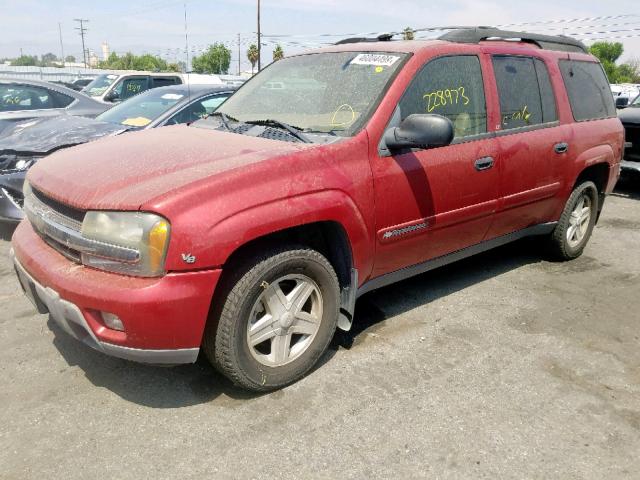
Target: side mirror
622	102
420	131
112	96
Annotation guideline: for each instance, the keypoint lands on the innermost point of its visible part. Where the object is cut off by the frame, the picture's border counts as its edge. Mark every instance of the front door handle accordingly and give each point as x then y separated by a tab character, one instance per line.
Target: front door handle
484	163
561	147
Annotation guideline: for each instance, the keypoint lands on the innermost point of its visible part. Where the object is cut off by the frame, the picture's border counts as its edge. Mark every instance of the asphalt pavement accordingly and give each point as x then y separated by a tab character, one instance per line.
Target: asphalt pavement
505	365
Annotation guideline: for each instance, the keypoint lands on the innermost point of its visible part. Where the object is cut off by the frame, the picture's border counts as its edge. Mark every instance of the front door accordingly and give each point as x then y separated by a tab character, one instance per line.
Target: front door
430	202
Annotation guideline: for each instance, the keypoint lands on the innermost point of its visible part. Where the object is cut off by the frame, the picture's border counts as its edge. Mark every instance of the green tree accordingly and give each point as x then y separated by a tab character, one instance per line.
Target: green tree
608	53
216	59
129	61
408	34
70	59
278	53
252	55
25	61
47	59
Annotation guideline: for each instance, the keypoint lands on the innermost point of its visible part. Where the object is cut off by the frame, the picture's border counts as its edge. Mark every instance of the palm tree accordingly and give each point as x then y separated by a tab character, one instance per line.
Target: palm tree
252	55
408	33
278	53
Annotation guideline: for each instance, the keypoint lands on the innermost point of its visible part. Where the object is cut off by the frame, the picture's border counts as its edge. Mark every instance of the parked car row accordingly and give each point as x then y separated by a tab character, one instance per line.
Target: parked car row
26	99
248	235
22	145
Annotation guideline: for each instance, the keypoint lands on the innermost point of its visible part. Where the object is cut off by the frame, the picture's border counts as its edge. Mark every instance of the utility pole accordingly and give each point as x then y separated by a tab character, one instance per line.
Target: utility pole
61	46
238	54
82	31
259	62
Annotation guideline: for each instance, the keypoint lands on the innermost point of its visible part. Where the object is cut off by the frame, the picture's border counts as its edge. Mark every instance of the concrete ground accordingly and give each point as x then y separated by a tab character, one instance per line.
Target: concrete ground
501	366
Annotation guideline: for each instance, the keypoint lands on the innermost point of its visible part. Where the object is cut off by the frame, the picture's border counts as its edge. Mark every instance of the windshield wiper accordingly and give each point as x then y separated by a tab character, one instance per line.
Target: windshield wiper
224	118
295	131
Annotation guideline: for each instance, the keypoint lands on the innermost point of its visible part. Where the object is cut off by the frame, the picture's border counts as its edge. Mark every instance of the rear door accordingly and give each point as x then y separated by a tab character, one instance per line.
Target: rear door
435	201
533	147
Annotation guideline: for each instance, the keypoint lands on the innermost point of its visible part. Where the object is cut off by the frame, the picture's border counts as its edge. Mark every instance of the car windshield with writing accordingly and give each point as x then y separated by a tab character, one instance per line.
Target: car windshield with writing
98	86
332	93
140	111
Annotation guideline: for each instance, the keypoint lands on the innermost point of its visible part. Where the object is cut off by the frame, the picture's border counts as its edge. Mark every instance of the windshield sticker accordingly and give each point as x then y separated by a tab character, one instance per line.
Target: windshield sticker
348	112
136	122
375	59
379	69
172	96
442	98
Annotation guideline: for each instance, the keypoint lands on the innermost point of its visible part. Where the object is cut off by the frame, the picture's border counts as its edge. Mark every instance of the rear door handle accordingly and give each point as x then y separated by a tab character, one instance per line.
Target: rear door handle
484	163
561	147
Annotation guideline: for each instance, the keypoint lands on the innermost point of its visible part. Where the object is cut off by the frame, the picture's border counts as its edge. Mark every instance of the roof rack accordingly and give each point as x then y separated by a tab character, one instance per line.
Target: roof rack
547	42
385	37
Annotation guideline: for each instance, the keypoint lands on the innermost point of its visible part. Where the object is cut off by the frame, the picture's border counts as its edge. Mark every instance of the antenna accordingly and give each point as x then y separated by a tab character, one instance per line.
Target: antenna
186	49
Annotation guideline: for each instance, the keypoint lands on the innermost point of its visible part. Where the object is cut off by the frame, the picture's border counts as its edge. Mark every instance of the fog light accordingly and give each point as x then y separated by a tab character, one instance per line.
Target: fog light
112	321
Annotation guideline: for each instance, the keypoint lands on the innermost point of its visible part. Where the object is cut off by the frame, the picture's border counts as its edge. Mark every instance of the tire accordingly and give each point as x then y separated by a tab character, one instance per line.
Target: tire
573	231
266	299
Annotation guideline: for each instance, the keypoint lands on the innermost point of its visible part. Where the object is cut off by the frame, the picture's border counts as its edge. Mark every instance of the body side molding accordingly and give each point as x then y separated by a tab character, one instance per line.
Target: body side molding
398	275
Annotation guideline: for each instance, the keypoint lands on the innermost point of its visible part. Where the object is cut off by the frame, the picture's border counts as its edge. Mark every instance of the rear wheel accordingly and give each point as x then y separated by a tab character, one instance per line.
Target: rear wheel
277	319
576	223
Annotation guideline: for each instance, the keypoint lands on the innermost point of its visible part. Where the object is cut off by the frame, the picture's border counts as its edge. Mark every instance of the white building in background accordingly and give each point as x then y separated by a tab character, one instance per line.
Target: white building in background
105	50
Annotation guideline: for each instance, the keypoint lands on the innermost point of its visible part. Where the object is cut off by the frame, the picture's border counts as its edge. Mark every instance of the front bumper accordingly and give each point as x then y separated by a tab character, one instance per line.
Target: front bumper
164	318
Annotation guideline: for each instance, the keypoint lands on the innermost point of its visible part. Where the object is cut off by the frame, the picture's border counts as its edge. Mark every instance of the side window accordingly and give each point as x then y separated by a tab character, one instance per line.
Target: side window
549	110
24	97
451	87
197	110
521	100
133	86
164	81
588	89
61	100
212	104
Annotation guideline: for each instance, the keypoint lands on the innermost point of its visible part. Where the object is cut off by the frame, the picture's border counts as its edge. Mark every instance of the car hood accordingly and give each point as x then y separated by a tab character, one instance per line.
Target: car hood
45	135
123	173
630	115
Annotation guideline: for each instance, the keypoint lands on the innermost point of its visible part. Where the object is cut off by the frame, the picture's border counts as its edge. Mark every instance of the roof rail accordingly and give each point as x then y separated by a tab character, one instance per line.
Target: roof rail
385	37
547	42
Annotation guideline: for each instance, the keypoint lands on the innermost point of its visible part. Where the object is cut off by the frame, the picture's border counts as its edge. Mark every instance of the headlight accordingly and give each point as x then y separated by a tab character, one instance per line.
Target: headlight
146	234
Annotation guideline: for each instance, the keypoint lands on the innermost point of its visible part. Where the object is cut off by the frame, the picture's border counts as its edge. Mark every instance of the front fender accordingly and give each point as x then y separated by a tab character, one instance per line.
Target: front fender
216	243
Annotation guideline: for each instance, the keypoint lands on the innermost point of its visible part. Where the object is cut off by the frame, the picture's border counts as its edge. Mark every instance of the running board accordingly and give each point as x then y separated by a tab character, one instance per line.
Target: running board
408	272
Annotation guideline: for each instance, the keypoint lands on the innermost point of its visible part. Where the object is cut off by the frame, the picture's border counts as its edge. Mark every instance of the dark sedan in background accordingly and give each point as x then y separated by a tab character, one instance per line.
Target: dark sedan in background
26	99
25	143
630	118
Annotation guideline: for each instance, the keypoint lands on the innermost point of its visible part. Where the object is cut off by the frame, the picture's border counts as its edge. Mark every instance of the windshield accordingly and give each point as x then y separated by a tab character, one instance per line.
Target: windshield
98	86
322	92
636	102
141	110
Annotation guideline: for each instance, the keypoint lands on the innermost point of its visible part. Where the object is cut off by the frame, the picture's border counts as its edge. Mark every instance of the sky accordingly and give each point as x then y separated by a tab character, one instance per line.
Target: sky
158	26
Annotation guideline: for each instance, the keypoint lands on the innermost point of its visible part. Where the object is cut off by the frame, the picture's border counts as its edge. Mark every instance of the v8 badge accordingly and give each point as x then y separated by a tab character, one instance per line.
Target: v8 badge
188	258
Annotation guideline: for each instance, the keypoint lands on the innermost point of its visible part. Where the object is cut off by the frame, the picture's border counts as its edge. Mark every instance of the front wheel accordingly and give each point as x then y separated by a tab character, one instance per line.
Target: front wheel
277	319
576	223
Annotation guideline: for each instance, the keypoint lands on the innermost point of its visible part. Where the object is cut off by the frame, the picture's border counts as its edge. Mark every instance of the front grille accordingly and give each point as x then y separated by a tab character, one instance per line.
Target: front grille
70	214
61	214
632	134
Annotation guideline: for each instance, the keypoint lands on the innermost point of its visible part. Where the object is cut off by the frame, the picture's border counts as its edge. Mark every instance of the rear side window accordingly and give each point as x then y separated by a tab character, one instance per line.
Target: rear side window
61	100
588	89
165	81
524	88
451	87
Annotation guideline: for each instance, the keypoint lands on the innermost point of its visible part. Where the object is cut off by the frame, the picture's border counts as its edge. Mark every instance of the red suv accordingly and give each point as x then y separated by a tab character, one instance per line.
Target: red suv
250	234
